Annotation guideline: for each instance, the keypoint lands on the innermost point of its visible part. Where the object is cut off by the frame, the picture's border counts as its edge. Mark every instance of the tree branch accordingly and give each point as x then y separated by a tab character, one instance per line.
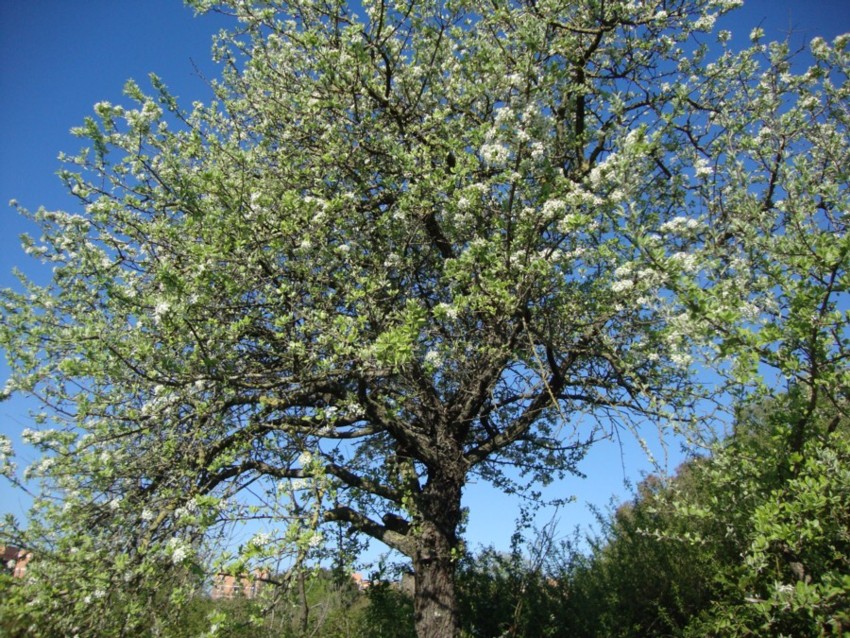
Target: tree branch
390	537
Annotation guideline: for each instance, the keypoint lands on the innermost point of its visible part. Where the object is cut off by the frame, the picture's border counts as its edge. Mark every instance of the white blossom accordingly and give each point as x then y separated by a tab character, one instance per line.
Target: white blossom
260	539
681	359
538	151
784	589
392	260
703	168
450	311
706	22
553	208
819	47
299	484
5	446
749	311
503	115
686	261
809	102
596	175
189	509
179	550
160	310
495	154
33	437
305	458
515	79
40	467
623	271
142	119
433	358
621	285
679	225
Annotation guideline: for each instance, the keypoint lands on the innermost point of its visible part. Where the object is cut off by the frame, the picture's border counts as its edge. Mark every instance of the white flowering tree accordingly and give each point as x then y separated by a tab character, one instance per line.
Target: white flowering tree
413	243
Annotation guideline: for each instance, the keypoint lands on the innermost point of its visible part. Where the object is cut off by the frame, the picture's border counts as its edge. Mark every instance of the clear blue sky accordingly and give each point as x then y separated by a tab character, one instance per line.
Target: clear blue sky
60	57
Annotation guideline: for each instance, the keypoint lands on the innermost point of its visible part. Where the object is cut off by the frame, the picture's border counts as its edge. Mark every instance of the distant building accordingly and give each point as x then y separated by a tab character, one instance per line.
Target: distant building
360	581
227	586
15	560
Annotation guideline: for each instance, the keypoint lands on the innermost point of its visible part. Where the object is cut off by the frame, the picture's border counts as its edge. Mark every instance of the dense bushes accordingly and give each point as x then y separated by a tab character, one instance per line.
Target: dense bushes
753	540
510	595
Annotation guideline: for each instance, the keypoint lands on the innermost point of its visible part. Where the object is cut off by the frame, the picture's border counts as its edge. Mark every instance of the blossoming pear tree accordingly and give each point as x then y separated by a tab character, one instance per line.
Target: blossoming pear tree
411	243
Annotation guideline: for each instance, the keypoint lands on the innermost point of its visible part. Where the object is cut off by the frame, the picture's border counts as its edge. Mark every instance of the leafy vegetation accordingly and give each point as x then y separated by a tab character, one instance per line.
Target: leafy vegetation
750	541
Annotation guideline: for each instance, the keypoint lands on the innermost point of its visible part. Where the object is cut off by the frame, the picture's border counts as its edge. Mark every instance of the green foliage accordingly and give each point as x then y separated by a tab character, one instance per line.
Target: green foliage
633	584
388	614
508	595
327	604
796	555
83	591
749	541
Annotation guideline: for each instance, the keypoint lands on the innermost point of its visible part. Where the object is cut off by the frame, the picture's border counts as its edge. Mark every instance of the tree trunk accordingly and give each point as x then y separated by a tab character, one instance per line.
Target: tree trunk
303	607
434	601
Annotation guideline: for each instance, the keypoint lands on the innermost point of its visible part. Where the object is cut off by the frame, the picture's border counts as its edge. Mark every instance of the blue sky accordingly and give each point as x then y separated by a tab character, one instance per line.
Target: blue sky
58	58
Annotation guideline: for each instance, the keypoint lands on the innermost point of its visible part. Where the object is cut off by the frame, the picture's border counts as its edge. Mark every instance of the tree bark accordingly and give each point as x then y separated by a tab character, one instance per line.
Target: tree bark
434	559
434	603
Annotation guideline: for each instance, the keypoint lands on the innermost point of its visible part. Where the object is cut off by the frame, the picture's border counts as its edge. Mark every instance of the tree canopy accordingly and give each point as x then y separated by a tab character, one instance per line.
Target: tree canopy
411	243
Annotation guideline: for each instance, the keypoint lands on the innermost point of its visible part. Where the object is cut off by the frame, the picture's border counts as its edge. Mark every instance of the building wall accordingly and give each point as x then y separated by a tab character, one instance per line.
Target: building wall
15	560
226	586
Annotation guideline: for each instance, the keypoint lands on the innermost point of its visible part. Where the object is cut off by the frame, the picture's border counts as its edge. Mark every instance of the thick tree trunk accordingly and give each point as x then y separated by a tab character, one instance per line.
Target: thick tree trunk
434	601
